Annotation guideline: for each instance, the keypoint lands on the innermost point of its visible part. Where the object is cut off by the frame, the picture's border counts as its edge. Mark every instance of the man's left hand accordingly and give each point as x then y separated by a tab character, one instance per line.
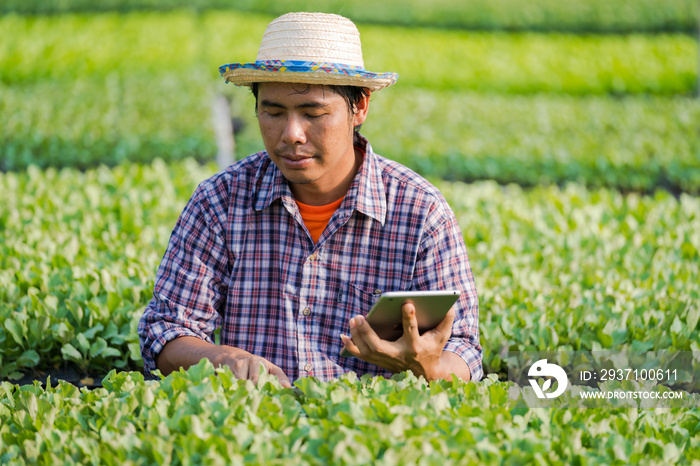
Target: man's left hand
422	354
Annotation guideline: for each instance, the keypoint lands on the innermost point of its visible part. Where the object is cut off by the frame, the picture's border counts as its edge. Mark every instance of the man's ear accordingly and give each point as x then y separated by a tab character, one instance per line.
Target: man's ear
361	109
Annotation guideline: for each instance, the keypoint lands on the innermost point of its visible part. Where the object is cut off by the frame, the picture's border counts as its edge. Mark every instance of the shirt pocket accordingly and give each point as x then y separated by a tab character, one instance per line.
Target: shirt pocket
353	300
386	329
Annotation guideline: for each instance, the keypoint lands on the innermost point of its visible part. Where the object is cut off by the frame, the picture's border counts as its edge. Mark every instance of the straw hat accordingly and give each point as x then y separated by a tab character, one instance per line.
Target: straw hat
309	48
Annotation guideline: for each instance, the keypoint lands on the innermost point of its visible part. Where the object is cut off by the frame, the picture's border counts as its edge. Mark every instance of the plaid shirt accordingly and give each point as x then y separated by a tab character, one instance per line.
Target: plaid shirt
240	259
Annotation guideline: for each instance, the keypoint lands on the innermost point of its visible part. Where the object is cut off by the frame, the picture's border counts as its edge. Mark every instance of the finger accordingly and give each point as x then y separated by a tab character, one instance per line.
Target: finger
254	371
364	337
350	346
356	337
279	373
239	368
410	323
270	368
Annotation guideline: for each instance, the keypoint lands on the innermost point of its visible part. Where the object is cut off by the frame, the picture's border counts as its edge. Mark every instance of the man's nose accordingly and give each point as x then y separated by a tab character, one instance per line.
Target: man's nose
294	132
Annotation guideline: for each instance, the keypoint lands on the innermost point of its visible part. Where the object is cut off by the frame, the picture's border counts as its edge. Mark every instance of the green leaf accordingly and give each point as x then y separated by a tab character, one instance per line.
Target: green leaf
107	281
111	353
29	358
98	347
51	303
9	370
69	352
16	330
677	327
134	351
113	301
83	343
692	316
90	333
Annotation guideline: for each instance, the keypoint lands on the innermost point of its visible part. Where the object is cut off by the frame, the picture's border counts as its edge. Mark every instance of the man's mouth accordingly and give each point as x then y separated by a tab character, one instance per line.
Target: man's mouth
296	160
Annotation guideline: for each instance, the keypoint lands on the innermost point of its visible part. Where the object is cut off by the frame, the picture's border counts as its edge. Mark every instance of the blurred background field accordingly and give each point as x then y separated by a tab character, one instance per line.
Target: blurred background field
577	125
526	107
619	16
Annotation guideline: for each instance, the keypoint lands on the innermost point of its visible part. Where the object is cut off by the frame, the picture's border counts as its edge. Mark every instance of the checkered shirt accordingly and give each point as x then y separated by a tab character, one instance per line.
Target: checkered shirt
241	260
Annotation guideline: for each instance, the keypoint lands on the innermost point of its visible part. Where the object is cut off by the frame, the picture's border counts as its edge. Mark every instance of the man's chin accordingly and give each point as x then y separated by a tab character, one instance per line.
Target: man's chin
297	173
299	181
298	177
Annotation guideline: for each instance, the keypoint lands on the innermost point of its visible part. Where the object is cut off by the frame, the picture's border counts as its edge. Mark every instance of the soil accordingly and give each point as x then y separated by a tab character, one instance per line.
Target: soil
90	381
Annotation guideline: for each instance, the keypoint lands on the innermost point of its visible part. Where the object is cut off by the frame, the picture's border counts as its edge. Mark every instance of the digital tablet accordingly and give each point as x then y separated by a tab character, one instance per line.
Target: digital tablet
431	307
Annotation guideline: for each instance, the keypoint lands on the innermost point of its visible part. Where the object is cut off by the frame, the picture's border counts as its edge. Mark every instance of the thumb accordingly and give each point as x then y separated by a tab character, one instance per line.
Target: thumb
443	330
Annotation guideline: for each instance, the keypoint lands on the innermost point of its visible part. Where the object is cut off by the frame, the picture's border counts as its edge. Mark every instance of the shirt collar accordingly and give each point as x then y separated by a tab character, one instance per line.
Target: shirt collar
366	193
270	184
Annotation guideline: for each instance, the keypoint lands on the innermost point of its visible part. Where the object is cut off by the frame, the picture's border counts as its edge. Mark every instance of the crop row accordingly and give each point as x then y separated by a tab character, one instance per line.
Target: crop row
78	256
207	417
105	121
180	44
630	143
556	268
587	16
577	269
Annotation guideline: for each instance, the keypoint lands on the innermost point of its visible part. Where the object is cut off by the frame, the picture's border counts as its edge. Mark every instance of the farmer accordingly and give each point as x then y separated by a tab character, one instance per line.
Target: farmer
285	251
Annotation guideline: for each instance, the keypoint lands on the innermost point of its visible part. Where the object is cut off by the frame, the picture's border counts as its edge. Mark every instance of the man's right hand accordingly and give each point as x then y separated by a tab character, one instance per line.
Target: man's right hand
247	366
188	351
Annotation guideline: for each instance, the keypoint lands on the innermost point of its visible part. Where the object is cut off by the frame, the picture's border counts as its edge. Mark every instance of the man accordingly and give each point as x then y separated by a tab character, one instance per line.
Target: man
287	250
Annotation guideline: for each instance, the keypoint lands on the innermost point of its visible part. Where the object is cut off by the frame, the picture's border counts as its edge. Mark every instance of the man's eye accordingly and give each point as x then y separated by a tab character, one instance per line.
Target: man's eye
274	115
312	115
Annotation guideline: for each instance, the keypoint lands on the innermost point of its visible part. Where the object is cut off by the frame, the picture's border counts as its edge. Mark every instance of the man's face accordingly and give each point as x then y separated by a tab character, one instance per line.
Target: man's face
308	134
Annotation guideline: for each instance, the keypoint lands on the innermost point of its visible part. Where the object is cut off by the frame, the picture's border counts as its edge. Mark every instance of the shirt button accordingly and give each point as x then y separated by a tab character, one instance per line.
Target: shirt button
307	367
306	311
313	257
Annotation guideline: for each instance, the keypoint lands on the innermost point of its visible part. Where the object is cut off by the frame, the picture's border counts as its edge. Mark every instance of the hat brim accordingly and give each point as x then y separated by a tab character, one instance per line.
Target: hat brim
245	74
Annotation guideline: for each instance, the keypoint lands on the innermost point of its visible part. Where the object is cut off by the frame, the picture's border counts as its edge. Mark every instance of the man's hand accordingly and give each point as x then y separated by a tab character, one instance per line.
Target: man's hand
422	354
247	366
187	351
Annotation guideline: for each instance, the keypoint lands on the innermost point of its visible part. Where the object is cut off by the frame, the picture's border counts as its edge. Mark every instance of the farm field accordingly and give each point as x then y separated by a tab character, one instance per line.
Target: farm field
565	141
557	268
567	268
204	416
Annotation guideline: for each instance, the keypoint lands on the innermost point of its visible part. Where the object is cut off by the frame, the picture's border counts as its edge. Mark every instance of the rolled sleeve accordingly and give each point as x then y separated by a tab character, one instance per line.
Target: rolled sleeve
443	264
469	354
190	284
159	325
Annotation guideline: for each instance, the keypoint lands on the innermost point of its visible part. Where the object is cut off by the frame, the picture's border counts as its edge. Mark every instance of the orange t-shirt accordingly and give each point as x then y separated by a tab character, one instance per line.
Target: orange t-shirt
316	218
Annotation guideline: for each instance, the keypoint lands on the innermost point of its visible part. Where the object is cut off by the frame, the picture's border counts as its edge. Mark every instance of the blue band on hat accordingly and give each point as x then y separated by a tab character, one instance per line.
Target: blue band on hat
297	66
